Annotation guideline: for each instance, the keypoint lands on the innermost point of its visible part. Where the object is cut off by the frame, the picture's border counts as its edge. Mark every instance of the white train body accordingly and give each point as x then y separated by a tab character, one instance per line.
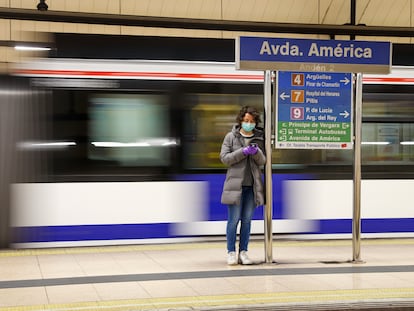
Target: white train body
183	206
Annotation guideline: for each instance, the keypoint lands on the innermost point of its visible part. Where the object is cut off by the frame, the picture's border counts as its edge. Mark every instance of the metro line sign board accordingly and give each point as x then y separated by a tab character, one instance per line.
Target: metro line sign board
257	53
314	110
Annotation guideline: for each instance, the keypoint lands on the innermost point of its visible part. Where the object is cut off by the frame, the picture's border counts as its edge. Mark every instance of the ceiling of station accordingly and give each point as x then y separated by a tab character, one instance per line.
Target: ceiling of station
369	12
386	13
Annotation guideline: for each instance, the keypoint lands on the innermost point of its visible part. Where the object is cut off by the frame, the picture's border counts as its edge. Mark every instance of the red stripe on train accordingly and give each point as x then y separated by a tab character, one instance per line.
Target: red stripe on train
388	80
178	75
135	74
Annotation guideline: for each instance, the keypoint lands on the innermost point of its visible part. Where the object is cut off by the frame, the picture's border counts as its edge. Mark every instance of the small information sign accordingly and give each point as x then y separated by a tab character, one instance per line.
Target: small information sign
314	110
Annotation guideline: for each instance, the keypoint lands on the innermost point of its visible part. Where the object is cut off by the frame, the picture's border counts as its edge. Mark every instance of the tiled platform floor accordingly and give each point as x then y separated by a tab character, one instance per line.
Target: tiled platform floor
306	275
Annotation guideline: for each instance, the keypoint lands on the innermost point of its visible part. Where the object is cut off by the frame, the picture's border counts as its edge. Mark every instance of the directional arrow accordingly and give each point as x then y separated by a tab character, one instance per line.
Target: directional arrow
345	114
345	81
283	96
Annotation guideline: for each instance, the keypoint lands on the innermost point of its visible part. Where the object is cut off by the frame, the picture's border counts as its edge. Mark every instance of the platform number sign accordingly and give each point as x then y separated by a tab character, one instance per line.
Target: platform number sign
314	110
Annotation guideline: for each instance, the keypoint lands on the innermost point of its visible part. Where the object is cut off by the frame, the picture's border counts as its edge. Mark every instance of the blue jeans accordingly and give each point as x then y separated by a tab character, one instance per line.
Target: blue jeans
243	213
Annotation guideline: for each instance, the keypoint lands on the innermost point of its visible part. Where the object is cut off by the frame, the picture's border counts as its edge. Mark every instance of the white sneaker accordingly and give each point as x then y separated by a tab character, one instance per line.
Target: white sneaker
244	259
231	258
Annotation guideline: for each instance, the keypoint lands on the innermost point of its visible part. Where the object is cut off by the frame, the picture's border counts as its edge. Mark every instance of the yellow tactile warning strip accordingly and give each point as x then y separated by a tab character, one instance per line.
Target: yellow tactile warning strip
192	245
271	299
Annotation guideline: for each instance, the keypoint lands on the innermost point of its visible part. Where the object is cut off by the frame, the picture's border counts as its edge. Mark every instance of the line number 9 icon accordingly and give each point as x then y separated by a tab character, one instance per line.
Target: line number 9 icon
296	113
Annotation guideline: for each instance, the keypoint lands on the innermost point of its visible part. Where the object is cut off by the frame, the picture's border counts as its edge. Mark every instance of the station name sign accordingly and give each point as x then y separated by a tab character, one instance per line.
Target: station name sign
257	53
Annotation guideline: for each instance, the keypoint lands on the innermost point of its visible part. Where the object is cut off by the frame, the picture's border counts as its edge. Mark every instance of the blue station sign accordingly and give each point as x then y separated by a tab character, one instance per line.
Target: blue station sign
257	53
314	110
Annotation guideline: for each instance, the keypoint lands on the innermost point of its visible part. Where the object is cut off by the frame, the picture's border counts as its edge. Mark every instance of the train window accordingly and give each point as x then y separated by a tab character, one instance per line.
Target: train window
208	119
115	135
387	143
388	128
388	107
130	129
382	144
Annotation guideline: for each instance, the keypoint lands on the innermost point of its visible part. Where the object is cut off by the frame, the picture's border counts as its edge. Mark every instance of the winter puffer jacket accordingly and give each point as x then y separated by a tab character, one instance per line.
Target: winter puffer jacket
232	155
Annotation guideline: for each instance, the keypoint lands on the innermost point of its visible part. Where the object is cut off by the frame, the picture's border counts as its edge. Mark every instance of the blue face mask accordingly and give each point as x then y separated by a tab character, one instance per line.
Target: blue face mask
248	127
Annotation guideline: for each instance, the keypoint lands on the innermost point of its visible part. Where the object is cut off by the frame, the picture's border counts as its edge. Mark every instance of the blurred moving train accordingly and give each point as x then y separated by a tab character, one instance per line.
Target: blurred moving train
133	156
129	153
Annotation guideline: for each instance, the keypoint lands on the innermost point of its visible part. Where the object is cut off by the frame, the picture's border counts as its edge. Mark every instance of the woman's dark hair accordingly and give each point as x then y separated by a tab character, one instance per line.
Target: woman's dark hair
251	110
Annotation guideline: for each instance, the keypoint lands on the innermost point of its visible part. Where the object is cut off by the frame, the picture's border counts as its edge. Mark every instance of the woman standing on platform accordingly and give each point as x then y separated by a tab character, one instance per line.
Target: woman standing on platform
243	152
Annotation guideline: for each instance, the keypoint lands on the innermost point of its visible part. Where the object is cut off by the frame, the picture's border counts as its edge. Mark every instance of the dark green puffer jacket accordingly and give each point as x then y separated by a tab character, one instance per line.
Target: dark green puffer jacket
232	155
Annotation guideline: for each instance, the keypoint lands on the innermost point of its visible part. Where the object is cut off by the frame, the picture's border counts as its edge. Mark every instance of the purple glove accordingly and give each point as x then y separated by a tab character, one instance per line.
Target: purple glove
249	150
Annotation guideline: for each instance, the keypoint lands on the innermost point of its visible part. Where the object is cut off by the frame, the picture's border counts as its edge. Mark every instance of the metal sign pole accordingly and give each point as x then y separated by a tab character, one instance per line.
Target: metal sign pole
268	167
356	219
